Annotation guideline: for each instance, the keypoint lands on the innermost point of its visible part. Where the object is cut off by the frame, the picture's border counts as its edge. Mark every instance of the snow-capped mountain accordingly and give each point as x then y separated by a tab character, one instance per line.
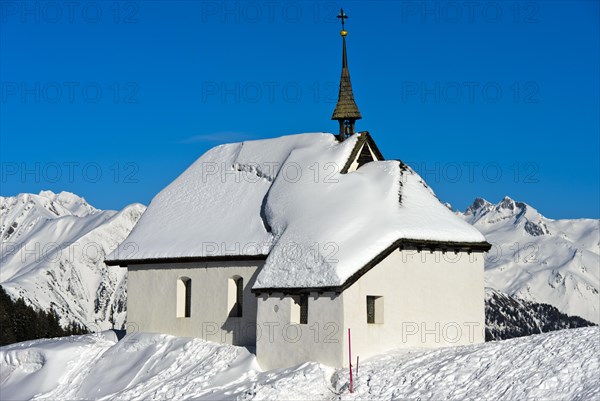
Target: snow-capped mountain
52	254
53	247
538	259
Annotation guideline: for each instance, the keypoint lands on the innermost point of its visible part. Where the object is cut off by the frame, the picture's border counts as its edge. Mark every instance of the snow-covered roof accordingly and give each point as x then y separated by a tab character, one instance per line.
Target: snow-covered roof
287	199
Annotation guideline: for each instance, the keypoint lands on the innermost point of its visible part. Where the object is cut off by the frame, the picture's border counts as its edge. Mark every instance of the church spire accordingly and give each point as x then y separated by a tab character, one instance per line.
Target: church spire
346	110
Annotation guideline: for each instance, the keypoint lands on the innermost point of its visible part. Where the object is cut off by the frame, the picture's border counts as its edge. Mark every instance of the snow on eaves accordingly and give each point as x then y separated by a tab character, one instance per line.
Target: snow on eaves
285	198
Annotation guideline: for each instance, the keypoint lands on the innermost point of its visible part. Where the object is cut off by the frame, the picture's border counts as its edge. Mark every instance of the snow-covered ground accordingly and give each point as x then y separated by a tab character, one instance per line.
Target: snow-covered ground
559	365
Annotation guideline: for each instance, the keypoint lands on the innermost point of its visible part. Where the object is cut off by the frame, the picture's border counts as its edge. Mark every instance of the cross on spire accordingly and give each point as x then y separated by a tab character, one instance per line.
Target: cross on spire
342	17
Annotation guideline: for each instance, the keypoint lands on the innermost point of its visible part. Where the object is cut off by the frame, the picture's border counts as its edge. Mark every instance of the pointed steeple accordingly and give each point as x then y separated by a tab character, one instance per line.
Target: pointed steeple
346	110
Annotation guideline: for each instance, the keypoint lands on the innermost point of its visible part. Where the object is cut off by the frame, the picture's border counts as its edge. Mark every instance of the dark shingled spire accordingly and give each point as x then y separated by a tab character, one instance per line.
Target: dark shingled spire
346	110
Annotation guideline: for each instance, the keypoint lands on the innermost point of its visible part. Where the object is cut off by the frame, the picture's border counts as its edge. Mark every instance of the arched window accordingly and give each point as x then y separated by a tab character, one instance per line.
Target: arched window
235	296
184	297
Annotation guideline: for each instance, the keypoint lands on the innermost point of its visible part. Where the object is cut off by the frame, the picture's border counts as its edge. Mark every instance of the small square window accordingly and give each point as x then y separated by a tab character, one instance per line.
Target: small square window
374	309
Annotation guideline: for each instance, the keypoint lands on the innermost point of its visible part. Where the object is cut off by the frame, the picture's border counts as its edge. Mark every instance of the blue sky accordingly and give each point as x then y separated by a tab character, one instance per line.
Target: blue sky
113	100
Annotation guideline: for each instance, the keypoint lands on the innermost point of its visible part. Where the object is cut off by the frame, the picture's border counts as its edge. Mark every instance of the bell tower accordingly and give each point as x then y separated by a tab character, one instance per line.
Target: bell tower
346	110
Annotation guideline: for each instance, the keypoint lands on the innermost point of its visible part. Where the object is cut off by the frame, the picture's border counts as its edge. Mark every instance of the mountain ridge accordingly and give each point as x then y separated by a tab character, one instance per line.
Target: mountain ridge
53	250
538	259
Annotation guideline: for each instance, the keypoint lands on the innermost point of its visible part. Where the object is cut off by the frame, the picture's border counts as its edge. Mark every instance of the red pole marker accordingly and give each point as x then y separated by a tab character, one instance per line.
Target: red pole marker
350	359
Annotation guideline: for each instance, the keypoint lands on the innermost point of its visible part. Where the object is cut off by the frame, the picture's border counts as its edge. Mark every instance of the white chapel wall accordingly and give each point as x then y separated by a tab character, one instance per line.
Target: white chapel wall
430	299
152	302
282	342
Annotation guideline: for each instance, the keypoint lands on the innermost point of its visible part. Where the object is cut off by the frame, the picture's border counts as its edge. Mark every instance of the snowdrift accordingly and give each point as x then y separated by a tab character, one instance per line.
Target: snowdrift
559	365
